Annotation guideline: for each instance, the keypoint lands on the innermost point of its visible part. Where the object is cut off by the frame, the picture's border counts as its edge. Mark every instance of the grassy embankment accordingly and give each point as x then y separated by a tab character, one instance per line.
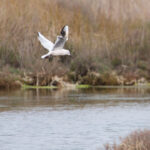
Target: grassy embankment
107	39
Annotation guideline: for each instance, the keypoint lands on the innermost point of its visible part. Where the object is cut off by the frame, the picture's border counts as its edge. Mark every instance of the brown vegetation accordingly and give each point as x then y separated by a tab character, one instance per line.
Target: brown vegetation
139	140
104	35
8	82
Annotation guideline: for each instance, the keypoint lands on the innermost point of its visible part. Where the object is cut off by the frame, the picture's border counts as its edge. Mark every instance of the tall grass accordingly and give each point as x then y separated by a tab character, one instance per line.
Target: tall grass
102	33
138	140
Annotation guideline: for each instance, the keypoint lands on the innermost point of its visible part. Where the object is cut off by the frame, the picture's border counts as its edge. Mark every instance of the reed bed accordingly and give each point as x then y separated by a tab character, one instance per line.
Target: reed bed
104	34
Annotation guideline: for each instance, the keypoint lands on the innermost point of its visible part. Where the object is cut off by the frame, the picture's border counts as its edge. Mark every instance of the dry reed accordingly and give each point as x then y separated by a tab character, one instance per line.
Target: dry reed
107	33
138	140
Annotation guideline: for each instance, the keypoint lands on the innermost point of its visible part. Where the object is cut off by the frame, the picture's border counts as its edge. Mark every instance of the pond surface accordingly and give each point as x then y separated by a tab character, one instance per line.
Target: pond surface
82	119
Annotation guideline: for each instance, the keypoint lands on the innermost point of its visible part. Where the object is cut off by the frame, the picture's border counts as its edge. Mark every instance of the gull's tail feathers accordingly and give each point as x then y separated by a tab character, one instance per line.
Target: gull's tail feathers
45	56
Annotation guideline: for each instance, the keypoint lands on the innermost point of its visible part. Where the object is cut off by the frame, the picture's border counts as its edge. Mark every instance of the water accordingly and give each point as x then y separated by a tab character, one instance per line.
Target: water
71	119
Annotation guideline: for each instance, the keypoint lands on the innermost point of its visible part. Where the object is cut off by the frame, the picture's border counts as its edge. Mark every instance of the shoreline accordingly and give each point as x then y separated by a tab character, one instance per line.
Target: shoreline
91	80
82	86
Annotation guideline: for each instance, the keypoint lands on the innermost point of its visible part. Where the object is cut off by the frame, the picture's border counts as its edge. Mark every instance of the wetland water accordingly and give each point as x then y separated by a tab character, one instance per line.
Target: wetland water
82	119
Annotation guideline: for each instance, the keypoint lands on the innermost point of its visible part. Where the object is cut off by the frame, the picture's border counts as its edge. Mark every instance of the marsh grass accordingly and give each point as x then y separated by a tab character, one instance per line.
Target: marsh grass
7	82
138	140
103	34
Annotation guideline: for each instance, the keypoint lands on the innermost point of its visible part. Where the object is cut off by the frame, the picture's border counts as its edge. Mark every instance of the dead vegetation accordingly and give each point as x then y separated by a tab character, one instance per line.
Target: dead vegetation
104	35
8	82
138	140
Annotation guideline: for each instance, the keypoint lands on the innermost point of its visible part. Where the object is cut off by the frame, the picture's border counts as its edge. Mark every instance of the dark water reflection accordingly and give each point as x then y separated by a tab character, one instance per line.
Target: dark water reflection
64	99
82	119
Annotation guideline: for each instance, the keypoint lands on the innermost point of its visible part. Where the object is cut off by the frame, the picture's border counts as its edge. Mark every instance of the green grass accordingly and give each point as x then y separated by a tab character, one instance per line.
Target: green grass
83	86
37	87
148	84
24	86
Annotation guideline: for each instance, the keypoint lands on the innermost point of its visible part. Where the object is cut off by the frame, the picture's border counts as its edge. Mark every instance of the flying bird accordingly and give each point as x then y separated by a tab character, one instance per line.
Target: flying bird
55	49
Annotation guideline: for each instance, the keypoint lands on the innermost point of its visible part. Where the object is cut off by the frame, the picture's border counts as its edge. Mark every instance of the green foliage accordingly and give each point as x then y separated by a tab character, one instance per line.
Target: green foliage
83	86
116	62
14	70
142	65
9	56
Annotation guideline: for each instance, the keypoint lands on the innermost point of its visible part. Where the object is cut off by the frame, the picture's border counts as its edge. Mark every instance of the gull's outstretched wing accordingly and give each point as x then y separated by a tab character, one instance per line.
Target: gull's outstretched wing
60	41
65	32
45	42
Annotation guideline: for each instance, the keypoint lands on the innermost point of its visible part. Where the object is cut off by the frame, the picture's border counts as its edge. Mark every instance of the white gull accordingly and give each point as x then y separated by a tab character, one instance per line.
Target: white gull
55	49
